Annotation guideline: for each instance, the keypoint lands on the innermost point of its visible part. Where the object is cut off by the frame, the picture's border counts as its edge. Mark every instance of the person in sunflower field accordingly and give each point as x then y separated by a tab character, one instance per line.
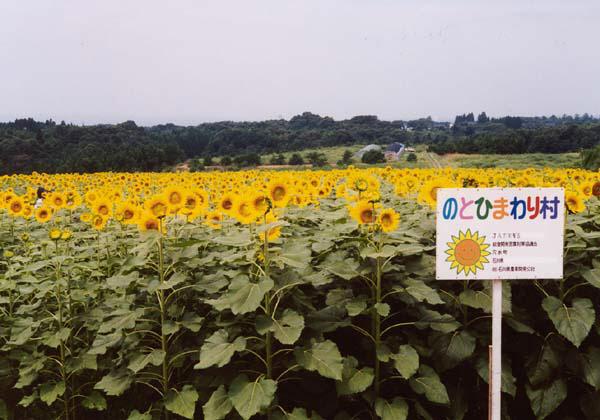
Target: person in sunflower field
41	194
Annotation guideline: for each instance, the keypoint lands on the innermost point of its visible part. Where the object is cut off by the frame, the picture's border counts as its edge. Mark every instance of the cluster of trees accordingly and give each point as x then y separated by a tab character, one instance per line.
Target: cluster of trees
373	156
528	122
305	131
316	159
27	145
544	140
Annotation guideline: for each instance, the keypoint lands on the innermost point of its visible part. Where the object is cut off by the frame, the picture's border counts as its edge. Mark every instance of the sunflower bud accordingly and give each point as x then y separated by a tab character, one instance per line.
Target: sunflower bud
8	254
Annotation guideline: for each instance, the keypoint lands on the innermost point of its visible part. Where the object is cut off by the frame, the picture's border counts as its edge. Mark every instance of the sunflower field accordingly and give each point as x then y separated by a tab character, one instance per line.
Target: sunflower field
280	295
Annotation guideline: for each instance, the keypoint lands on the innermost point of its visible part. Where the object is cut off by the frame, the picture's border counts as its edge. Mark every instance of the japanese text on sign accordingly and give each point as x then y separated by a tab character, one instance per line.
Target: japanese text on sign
508	233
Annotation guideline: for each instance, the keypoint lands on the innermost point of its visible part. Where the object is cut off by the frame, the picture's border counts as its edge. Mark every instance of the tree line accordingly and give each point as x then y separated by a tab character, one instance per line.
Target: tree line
27	145
571	138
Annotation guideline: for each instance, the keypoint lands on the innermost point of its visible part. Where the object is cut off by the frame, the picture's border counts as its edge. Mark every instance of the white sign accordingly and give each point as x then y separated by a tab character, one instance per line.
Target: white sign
499	233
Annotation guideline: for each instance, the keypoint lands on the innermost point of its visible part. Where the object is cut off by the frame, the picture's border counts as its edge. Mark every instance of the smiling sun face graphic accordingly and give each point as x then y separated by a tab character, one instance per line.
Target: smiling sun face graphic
467	252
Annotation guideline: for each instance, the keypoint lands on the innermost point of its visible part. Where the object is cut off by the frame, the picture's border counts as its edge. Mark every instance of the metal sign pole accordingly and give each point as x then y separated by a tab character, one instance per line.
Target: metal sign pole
496	348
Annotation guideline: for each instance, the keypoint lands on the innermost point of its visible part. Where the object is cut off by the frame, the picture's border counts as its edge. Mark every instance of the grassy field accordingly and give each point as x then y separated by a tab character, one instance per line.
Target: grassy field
456	160
528	160
427	160
334	154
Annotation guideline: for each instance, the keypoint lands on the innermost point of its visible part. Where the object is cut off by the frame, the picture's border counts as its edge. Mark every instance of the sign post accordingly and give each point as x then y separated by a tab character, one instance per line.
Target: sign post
496	375
499	234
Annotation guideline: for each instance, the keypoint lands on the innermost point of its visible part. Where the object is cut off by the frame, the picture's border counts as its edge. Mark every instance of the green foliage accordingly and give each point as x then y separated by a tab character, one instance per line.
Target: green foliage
27	145
373	156
278	159
411	157
250	159
207	324
296	159
182	402
226	161
218	405
575	322
317	159
590	159
196	165
394	410
510	140
347	157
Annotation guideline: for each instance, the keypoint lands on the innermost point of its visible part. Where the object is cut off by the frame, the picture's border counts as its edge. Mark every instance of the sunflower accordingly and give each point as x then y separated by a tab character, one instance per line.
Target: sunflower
586	189
226	203
202	199
148	221
91	196
272	232
54	234
244	212
362	182
260	203
299	200
428	192
157	205
102	207
43	214
363	212
175	198
98	222
8	254
65	235
214	219
278	192
15	206
27	211
7	197
190	204
574	202
73	200
388	220
596	189
56	200
127	212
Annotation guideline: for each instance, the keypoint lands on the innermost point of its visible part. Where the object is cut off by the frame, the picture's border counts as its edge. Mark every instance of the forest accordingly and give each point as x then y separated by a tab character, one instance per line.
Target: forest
27	145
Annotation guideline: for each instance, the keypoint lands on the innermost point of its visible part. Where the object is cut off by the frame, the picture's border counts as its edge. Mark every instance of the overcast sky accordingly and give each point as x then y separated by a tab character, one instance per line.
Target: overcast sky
189	62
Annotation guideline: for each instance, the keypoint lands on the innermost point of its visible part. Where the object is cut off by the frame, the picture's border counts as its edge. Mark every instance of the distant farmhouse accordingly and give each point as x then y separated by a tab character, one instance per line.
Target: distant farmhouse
391	153
394	151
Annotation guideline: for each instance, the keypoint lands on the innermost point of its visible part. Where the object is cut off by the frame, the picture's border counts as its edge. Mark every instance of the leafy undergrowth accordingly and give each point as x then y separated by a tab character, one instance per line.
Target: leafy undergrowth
329	321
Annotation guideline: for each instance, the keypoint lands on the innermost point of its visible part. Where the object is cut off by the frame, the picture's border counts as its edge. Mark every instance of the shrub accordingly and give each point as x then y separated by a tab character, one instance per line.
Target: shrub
278	159
296	159
373	156
317	159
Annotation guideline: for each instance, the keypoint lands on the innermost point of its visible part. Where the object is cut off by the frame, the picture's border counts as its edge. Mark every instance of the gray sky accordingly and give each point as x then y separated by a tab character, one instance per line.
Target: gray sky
194	61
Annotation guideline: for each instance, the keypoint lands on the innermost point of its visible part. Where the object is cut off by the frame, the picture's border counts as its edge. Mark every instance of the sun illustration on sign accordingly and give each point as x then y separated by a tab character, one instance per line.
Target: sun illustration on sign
467	252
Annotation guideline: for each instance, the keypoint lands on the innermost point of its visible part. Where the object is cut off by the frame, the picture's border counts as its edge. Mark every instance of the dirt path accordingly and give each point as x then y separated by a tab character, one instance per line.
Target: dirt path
435	163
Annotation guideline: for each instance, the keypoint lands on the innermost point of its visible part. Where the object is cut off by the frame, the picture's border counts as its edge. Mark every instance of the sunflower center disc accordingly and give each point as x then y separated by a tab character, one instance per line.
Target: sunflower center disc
467	252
